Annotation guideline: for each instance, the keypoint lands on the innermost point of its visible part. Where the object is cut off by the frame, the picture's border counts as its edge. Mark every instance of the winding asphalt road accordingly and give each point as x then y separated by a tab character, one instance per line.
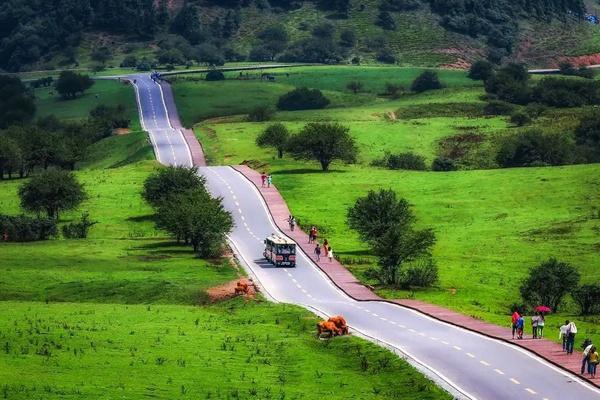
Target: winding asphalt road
468	365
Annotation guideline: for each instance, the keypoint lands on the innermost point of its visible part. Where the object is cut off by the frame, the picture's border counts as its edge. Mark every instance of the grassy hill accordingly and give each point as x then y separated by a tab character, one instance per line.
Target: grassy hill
492	225
420	38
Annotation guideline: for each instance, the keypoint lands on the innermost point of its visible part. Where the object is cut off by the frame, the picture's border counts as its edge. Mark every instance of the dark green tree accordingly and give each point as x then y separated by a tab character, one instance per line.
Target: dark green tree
548	283
197	218
587	135
169	181
428	80
377	212
323	142
588	298
386	223
481	70
69	84
302	99
354	86
16	104
276	136
52	191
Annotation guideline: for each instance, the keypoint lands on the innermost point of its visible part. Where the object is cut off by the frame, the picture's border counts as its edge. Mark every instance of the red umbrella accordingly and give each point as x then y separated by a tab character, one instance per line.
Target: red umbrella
542	309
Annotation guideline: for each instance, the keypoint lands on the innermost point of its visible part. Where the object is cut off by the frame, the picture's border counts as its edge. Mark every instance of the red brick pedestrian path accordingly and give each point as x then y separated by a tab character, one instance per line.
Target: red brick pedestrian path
343	279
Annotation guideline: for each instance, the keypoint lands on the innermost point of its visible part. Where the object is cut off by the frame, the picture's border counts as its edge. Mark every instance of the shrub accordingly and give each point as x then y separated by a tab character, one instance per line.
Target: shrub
497	107
561	92
588	298
548	283
587	135
443	164
354	86
302	99
481	70
428	80
520	118
79	229
260	114
408	160
215	75
393	90
23	228
129	61
420	273
535	148
386	56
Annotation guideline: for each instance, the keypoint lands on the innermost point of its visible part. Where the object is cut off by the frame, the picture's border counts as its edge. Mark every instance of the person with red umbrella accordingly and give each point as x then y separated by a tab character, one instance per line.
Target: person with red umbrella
542	310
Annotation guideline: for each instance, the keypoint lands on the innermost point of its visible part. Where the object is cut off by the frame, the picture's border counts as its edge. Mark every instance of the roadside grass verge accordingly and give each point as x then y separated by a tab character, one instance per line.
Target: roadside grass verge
228	351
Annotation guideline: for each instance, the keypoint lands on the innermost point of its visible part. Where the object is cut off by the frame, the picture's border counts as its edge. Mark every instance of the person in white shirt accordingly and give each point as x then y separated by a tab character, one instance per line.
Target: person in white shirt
571	332
563	334
586	354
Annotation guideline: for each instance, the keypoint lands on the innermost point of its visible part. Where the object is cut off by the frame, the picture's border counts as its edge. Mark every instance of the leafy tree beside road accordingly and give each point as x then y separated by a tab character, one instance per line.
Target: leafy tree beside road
70	84
52	191
186	210
16	104
386	223
325	143
548	283
275	136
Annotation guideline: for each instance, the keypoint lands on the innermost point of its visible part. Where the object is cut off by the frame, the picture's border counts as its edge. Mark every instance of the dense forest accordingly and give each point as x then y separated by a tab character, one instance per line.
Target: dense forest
32	31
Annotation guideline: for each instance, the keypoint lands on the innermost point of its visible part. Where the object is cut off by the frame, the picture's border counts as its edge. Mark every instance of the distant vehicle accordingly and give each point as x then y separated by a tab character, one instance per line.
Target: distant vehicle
280	251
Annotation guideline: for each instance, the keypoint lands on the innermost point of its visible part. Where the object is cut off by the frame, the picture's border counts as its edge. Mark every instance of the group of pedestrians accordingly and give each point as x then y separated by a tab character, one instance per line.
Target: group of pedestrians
325	250
538	321
267	180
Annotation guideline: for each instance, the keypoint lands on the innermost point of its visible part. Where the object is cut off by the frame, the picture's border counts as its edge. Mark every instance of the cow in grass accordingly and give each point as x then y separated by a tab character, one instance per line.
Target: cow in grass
327	329
242	288
340	323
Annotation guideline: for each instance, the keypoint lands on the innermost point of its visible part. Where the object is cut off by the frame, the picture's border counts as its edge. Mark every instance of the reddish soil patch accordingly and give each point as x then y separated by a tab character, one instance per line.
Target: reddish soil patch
121	131
227	290
582	61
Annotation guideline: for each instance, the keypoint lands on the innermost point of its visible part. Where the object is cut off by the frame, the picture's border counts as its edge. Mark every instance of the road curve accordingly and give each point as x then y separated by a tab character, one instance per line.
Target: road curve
469	365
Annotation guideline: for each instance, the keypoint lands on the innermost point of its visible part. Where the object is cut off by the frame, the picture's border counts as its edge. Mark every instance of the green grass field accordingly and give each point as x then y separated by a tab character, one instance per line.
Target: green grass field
234	350
107	92
491	225
198	100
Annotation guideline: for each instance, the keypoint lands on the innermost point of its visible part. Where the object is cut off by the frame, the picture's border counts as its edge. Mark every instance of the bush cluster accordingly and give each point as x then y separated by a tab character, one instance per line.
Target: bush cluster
407	161
302	99
23	228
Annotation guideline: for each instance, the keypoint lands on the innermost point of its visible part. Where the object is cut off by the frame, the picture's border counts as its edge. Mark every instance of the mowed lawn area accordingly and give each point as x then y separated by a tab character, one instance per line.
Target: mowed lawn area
198	100
125	313
492	225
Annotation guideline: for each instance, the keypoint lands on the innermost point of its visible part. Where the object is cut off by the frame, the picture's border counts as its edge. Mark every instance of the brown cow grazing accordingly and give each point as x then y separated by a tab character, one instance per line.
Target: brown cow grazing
340	323
329	328
241	288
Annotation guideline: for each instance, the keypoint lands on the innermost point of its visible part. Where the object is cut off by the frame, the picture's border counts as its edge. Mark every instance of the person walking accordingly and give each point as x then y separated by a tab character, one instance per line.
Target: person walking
520	326
515	318
534	326
586	355
315	234
311	234
330	253
541	323
563	334
571	332
292	222
593	362
263	179
269	180
318	252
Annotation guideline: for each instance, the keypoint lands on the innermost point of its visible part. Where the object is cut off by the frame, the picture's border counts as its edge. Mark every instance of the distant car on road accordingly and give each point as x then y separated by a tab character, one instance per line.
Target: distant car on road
280	251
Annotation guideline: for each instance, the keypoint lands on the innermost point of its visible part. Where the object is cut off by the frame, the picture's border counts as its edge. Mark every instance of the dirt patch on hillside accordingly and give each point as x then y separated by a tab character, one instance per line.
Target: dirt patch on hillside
121	131
582	61
227	291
